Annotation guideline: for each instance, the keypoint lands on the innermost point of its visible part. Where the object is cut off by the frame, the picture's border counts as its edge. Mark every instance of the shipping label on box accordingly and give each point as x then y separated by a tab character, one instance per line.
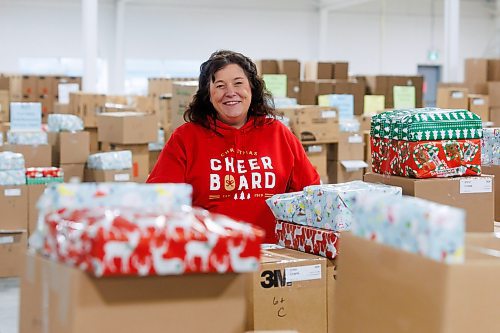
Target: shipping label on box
404	97
276	84
13	245
14	207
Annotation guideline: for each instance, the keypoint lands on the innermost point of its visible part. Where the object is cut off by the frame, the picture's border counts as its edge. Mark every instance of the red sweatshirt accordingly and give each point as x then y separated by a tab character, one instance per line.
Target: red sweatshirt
235	171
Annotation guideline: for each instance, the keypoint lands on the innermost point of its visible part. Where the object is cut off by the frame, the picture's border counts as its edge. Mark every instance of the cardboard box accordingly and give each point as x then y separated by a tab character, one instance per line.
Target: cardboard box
61	108
34	193
69	147
495	116
94	142
383	289
45	86
182	95
4	106
494	170
384	85
153	158
73	171
140	160
12	83
452	98
494	93
127	127
267	66
13	246
159	86
277	303
87	106
340	70
312	123
293	88
331	284
476	75
350	146
308	93
291	68
34	156
57	298
354	88
14	207
165	110
480	105
493	69
317	156
29	85
103	176
314	70
478	204
345	171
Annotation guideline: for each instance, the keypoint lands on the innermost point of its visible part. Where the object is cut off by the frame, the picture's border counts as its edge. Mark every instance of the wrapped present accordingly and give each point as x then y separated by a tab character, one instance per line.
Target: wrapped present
44	175
27	137
128	241
308	239
288	207
113	160
349	125
329	206
12	177
426	124
11	161
64	123
426	159
412	224
490	146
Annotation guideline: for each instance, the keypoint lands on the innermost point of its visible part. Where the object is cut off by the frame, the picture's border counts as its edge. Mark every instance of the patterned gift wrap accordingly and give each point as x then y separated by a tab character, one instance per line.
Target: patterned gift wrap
124	241
412	224
426	124
329	206
64	122
11	161
12	177
27	137
308	239
490	146
113	160
44	175
426	159
288	207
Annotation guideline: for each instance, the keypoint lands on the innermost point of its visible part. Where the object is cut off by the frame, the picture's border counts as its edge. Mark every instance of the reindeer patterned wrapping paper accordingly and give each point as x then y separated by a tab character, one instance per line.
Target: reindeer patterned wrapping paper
412	224
112	160
329	206
125	241
308	239
64	123
288	207
490	146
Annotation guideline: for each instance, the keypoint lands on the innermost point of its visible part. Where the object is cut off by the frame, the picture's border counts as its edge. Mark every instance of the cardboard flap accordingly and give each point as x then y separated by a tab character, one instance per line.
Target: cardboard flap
353	165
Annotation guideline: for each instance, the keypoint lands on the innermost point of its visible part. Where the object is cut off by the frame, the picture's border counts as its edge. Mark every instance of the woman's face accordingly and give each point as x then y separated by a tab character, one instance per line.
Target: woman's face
231	94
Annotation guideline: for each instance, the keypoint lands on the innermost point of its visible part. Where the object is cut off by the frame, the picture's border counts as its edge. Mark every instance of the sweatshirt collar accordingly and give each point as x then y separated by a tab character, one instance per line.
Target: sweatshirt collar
226	129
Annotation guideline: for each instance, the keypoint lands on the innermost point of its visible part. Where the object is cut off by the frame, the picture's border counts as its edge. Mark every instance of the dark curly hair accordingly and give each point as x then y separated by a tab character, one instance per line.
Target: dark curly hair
201	110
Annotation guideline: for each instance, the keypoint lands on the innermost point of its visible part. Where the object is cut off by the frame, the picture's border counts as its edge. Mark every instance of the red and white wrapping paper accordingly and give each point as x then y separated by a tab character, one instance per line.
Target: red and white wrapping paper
114	242
308	239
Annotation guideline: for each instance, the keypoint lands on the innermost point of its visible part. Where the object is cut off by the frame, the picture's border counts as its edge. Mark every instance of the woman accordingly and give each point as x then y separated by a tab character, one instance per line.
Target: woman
232	150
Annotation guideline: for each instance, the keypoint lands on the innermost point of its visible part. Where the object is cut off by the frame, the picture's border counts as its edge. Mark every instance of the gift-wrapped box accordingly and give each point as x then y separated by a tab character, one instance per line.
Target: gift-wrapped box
288	207
12	177
44	175
11	161
27	137
64	123
412	224
307	239
127	241
113	160
330	206
490	146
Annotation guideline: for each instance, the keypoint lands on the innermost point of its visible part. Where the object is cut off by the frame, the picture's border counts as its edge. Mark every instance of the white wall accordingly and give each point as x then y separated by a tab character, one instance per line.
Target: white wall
379	36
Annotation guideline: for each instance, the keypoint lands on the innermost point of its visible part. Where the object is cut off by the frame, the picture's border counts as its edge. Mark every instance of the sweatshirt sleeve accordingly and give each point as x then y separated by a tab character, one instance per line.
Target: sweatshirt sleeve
171	164
303	172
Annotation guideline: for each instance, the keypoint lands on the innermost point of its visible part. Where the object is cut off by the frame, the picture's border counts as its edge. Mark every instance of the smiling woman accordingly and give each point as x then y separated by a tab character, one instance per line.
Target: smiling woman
232	150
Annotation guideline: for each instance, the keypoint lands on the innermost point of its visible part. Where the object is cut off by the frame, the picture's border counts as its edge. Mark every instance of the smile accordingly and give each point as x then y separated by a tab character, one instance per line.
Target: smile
231	103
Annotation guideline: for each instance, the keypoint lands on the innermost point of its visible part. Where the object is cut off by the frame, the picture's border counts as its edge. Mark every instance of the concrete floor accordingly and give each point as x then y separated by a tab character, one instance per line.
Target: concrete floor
9	305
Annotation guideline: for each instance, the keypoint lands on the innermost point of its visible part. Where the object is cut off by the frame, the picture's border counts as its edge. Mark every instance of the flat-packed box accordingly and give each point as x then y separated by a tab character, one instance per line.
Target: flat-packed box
14	207
34	193
480	105
340	70
473	194
13	246
289	67
452	98
350	146
69	147
288	292
127	127
382	289
140	160
72	171
182	95
60	299
345	171
34	155
100	176
317	156
495	171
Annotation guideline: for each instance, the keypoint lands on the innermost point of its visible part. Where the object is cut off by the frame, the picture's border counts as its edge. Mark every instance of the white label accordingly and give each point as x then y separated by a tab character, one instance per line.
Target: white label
12	192
478	101
353	165
476	185
303	273
7	240
329	114
122	177
64	89
355	139
457	94
314	149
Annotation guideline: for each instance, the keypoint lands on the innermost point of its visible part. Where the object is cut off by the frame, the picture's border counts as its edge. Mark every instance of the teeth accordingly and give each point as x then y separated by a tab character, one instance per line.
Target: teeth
231	103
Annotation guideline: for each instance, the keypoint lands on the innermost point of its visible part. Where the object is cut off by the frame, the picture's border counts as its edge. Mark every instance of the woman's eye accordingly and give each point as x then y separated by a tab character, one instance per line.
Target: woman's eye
238	83
219	86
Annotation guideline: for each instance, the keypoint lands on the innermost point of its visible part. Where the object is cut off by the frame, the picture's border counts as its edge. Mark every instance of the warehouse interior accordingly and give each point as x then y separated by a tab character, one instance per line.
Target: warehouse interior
385	220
